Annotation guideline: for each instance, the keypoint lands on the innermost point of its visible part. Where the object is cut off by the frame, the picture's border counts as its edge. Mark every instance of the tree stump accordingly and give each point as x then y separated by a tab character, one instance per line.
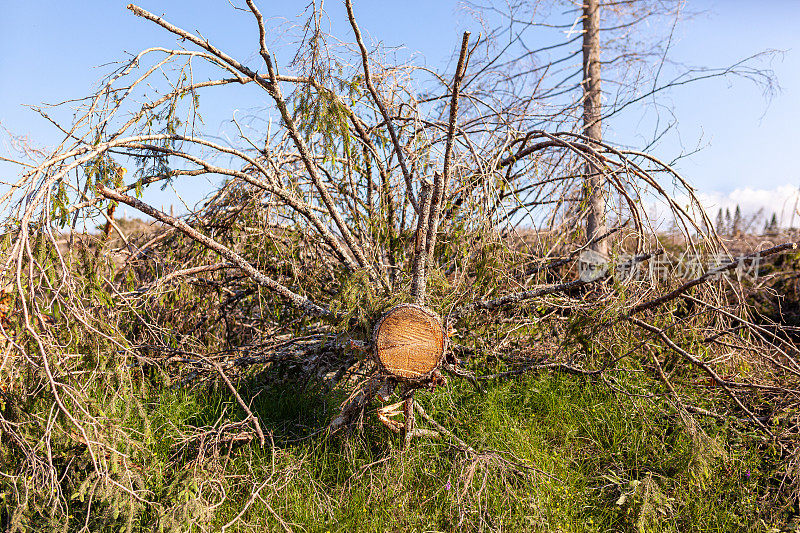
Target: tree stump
409	342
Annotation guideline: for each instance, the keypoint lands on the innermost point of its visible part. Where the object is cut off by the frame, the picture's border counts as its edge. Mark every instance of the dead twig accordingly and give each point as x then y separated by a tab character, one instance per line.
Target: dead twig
250	416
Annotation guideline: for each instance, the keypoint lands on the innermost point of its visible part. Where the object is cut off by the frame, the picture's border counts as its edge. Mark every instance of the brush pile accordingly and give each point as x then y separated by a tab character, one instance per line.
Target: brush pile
371	245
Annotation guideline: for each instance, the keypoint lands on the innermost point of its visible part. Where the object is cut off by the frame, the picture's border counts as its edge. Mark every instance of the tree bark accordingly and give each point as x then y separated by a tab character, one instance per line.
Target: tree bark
592	126
419	278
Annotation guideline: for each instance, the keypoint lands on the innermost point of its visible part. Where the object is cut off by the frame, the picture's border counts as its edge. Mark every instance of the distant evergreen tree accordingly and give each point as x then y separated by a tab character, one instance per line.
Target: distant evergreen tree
772	225
720	222
728	222
737	221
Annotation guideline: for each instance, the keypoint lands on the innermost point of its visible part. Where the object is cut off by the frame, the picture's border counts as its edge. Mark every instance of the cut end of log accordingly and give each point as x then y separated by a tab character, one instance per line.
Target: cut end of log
409	342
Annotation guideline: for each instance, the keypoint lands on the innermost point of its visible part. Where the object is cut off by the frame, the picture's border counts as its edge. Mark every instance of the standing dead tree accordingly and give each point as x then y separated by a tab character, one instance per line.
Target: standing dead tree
542	60
354	239
592	125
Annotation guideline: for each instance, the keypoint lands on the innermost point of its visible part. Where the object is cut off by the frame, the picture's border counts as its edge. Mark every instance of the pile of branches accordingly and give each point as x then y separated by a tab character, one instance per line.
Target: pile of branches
364	196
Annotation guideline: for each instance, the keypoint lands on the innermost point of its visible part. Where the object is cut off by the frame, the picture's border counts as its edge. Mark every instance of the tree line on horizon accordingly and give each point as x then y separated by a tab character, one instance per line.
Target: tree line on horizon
737	225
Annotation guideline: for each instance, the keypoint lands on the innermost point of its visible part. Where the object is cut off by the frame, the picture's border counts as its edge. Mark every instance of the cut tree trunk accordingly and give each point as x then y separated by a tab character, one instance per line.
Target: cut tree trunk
409	342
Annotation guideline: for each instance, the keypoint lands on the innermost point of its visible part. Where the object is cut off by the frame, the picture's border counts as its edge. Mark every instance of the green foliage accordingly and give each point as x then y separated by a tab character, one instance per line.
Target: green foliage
103	171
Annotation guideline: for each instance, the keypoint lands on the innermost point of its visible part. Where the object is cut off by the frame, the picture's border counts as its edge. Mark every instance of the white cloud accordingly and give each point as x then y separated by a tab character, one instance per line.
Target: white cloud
784	201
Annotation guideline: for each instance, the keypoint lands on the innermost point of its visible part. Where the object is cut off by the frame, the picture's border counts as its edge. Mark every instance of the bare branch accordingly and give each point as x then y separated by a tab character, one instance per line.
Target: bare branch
441	180
651	304
295	299
401	158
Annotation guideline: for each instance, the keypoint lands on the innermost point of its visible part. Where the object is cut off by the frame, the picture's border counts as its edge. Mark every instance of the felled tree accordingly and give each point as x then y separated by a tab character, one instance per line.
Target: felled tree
350	238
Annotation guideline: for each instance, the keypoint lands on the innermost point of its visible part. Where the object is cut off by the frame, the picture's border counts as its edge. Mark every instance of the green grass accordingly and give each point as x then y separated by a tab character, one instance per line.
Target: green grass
594	460
600	462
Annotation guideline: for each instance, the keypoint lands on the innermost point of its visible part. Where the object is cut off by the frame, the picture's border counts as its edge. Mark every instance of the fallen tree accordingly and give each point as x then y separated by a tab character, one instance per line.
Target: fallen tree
371	239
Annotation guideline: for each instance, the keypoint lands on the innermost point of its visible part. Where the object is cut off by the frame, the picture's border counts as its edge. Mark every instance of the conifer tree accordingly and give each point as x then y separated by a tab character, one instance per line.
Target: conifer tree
772	228
728	223
737	221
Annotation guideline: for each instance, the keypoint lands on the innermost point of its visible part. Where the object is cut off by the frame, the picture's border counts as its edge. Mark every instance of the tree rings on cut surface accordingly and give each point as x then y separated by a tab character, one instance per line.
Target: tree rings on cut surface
409	342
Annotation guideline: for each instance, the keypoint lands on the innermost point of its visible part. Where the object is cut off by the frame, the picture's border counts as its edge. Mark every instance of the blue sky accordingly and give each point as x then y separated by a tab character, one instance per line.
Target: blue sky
54	50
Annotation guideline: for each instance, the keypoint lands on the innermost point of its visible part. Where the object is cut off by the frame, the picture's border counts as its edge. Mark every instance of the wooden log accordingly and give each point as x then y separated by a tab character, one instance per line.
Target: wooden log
409	342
